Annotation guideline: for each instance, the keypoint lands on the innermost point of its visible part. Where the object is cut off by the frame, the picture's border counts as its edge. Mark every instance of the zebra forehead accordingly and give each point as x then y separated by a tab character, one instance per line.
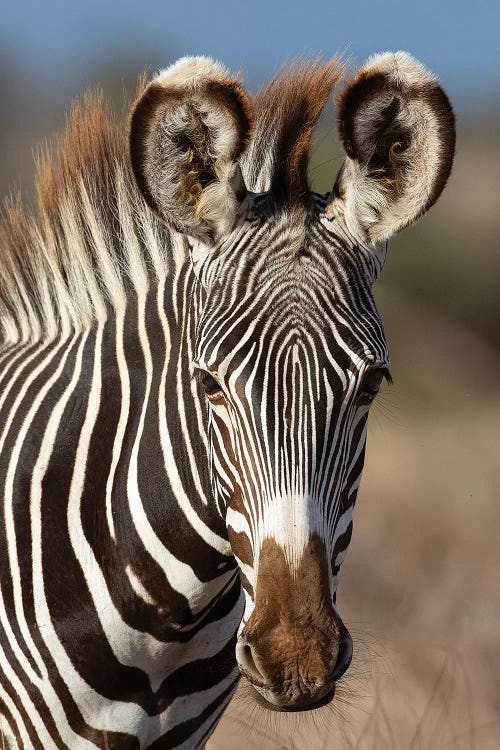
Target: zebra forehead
305	341
322	301
290	248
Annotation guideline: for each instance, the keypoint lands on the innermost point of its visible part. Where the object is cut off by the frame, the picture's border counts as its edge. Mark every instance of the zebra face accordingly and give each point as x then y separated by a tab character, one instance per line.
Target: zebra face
291	353
289	347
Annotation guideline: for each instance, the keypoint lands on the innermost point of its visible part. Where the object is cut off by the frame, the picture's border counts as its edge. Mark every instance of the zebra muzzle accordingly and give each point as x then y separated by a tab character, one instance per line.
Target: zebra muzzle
294	647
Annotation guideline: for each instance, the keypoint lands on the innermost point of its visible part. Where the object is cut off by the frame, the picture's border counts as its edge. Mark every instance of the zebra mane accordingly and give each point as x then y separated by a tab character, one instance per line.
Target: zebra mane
89	237
286	111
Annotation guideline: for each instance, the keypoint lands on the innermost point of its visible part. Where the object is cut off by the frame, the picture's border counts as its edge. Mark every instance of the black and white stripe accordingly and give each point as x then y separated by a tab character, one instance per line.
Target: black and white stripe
107	614
290	336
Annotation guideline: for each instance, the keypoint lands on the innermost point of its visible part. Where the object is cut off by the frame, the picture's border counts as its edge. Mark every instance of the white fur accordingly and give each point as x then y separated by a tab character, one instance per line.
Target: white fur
401	67
191	72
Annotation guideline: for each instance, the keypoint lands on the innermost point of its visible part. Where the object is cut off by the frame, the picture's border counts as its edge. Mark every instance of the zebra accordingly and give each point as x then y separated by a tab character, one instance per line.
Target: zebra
190	348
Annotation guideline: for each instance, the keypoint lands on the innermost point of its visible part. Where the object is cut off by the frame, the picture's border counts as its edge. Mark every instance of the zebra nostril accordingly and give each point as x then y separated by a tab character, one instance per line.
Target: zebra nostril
344	658
247	663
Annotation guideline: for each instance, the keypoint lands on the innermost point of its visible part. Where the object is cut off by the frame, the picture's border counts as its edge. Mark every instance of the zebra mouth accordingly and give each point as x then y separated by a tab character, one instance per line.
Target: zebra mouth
272	700
299	707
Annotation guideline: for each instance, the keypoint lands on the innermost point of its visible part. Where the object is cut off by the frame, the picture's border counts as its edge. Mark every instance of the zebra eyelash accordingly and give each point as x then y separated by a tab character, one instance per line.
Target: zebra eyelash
384	369
388	376
196	374
211	386
368	388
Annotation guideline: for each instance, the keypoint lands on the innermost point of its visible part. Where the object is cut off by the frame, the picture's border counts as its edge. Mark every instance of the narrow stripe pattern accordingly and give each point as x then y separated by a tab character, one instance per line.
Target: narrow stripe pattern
290	334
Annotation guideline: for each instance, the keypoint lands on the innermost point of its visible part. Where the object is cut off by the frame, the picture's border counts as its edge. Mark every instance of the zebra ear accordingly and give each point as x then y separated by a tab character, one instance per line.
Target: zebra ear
187	133
398	130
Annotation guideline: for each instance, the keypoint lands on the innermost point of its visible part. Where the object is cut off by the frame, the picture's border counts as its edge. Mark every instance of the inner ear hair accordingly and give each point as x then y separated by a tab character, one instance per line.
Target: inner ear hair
188	131
398	130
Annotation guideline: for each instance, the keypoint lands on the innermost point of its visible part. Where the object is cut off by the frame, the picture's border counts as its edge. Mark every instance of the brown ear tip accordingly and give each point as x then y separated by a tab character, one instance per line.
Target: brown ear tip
401	69
135	137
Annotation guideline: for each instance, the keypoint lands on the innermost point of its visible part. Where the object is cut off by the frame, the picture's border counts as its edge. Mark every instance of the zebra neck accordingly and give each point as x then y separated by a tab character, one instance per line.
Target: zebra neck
185	530
108	428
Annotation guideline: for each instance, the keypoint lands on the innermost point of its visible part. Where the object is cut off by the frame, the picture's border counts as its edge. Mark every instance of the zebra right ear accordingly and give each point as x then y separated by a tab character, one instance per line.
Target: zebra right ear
188	131
398	130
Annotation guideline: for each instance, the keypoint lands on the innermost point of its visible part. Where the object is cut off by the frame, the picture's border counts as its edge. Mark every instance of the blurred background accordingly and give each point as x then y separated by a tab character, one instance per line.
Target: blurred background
420	587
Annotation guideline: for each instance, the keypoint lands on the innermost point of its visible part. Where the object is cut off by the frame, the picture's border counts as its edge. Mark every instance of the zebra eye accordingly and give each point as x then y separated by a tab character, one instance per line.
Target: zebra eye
372	382
209	383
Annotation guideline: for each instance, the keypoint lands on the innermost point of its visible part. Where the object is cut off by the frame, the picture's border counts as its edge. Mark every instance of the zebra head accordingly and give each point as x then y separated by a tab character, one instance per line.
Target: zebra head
290	350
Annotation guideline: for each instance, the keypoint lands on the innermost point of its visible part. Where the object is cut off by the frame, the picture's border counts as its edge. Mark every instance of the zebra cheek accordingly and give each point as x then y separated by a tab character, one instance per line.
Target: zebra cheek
241	547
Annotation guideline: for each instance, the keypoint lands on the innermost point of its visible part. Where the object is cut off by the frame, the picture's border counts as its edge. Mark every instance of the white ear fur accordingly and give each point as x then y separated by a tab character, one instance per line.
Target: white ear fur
397	127
188	131
191	72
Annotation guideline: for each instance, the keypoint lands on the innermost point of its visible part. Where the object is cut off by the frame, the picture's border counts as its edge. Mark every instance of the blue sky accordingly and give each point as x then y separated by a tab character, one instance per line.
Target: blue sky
65	40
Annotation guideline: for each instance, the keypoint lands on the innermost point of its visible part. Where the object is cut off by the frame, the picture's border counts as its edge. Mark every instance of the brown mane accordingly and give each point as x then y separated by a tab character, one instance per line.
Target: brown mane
65	255
74	253
286	111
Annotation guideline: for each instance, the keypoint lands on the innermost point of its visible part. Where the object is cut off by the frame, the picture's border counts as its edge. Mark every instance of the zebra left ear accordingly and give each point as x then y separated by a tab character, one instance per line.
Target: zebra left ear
187	132
398	130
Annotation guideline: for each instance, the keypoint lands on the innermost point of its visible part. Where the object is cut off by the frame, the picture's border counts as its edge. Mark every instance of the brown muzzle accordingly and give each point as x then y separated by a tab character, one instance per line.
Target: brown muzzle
294	646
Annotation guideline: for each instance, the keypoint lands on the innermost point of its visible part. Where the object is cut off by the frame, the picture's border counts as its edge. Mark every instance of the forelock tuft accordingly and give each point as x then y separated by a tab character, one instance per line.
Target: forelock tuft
286	111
